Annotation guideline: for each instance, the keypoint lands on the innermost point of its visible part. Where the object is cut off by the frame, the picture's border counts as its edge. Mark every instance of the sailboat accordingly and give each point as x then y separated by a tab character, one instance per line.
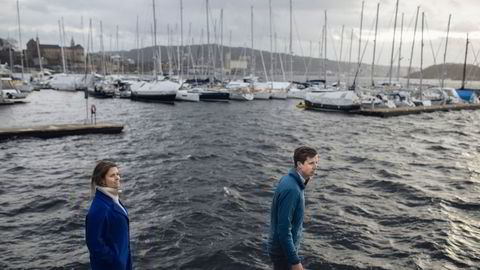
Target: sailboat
467	94
330	99
164	91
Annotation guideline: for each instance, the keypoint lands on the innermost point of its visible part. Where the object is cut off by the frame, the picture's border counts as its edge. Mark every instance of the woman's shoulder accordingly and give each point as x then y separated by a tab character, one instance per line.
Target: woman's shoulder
99	205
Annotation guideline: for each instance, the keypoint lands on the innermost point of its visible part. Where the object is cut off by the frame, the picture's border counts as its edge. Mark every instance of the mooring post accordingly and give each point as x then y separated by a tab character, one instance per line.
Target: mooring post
93	114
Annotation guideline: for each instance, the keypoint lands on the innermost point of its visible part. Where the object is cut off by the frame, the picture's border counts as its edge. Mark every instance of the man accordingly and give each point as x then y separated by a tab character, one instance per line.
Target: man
288	204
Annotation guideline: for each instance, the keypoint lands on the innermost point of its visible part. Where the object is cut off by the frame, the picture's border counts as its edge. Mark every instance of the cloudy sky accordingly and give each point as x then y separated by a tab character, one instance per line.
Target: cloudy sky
42	16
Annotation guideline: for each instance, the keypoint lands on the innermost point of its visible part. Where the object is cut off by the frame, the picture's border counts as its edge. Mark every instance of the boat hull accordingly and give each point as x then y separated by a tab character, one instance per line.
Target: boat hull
261	95
161	98
331	108
241	96
214	96
183	95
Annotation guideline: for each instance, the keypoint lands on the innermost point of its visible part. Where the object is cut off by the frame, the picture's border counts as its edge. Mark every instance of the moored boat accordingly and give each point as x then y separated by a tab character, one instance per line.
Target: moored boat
341	101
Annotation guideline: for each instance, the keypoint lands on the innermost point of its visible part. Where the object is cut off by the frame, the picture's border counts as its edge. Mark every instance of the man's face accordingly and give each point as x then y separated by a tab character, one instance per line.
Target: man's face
308	167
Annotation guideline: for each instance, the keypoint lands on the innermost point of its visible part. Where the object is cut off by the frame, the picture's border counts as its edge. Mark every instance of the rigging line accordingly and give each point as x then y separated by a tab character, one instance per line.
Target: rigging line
439	75
263	64
361	61
310	59
382	45
365	46
307	70
299	42
409	26
475	63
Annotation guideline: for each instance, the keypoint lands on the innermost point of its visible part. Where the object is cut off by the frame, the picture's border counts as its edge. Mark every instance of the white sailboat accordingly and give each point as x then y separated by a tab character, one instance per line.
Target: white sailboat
164	91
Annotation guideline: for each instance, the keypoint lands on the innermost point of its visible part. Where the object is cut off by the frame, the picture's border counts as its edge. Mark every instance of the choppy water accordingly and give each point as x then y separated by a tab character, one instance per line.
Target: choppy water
396	193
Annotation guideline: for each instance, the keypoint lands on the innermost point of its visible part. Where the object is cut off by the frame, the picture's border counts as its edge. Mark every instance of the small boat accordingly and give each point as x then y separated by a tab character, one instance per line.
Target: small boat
467	94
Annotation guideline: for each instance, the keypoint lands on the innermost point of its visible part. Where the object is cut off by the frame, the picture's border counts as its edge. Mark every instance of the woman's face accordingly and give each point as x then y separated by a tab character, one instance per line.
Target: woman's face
112	178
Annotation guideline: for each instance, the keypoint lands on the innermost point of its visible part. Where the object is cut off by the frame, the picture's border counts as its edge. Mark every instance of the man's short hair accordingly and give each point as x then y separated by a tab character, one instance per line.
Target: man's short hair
302	153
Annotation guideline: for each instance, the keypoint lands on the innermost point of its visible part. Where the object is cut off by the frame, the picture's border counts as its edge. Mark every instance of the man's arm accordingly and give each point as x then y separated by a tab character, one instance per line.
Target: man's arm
287	202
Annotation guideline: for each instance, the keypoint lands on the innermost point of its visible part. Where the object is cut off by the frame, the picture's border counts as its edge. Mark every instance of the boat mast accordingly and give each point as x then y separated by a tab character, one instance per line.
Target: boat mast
393	45
118	50
20	38
10	52
271	39
104	67
325	58
340	58
177	62
84	51
279	57
61	46
291	41
169	50
180	60
421	55
90	46
413	46
252	57
445	53
39	56
230	53
321	43
64	44
156	50
465	65
138	49
360	34
349	69
208	45
202	53
400	50
375	46
221	45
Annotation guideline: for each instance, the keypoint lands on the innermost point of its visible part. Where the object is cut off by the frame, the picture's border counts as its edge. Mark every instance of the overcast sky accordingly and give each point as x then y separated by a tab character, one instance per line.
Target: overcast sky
42	16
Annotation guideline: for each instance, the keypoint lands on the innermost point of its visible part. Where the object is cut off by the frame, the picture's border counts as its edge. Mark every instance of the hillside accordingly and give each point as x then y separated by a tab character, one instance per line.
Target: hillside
452	72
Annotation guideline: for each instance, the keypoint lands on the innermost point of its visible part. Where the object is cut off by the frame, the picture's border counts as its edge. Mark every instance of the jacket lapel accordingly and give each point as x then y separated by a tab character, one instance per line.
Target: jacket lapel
120	210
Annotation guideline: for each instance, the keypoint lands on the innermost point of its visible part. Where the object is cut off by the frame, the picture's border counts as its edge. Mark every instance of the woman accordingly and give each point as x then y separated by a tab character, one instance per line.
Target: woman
107	225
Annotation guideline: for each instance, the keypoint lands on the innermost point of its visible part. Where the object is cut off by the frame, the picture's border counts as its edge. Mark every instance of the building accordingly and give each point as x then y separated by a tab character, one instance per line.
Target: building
52	56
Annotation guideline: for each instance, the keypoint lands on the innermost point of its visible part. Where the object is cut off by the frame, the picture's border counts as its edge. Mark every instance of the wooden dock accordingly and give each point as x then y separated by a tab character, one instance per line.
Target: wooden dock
384	112
53	131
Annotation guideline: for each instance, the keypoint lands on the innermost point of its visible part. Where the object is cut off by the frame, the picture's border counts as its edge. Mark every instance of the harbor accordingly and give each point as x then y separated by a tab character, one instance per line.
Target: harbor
235	152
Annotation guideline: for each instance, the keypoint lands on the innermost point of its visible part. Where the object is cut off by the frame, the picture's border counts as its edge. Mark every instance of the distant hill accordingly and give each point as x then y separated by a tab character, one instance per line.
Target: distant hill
312	67
452	72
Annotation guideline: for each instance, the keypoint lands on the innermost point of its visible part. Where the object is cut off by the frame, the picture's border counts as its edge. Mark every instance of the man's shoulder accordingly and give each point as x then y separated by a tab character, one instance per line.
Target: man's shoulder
287	184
